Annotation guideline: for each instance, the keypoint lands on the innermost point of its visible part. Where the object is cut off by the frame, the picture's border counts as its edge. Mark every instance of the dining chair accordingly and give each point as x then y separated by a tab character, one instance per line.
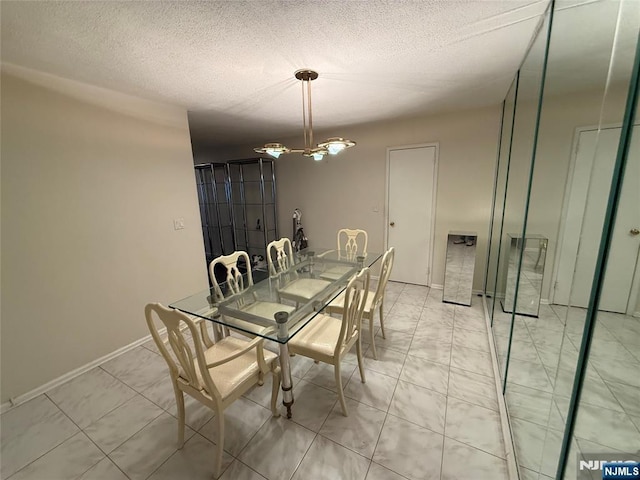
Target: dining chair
328	339
351	243
216	375
281	262
234	282
375	299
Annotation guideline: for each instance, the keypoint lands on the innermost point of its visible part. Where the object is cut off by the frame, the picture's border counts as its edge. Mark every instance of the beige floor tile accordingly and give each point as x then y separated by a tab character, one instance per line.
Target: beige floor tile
419	405
410	450
462	461
194	461
68	460
327	460
29	431
292	443
144	452
359	431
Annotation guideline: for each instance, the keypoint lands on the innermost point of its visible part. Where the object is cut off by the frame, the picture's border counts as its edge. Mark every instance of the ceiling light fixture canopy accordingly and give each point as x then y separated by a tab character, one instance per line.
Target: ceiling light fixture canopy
331	146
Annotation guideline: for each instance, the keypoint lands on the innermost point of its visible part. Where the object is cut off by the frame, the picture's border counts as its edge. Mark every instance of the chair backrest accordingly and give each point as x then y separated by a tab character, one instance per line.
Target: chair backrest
234	280
181	364
353	242
279	256
355	298
385	273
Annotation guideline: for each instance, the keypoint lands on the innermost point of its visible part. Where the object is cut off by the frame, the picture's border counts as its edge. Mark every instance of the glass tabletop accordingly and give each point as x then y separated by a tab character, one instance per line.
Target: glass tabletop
316	277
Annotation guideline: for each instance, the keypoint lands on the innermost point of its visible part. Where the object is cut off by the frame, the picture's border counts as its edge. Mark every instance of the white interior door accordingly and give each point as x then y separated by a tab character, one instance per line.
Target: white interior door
411	198
590	185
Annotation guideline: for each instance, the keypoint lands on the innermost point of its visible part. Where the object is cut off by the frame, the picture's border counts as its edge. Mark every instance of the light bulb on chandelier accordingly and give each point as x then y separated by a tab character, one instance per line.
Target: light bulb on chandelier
331	146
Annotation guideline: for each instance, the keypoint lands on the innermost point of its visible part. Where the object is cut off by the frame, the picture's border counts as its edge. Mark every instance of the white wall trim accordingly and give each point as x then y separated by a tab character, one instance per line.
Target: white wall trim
434	198
20	399
435	286
512	465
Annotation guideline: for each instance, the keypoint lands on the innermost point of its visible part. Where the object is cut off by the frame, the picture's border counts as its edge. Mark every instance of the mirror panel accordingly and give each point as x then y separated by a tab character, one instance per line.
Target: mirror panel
499	197
556	200
459	267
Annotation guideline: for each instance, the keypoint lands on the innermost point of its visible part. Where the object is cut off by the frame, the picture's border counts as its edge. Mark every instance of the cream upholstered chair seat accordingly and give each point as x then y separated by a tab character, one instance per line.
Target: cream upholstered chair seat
327	339
319	338
235	283
351	243
335	272
374	300
304	288
281	260
267	309
338	302
216	374
230	375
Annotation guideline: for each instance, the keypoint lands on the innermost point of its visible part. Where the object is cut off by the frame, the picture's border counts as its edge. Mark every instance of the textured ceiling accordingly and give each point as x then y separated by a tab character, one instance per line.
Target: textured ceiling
231	63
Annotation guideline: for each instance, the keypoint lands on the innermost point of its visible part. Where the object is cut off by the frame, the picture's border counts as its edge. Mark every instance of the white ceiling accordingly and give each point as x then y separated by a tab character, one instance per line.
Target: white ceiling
231	63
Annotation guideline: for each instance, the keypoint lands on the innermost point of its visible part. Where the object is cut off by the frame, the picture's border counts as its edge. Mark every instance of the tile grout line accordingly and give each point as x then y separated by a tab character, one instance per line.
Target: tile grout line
387	416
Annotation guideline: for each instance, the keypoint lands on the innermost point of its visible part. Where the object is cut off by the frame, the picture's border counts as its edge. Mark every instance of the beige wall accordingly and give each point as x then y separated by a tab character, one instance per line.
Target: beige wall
343	191
89	195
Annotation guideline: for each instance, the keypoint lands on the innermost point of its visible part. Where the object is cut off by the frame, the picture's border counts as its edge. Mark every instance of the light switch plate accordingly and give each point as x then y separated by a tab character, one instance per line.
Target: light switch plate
178	223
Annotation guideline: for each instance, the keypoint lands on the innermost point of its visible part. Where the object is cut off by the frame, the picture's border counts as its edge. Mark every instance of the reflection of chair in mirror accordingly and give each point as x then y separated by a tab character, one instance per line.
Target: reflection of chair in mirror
217	375
542	248
235	282
375	300
328	339
282	265
351	243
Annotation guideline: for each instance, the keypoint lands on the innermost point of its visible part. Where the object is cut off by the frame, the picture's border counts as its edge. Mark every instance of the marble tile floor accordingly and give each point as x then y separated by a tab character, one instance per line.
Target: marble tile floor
428	410
544	354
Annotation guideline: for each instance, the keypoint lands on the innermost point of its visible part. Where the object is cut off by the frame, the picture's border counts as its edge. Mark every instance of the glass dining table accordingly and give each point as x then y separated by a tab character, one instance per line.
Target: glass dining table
277	306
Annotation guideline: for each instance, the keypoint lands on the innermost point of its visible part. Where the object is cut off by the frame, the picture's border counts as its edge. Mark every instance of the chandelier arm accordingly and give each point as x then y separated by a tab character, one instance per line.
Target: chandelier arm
331	146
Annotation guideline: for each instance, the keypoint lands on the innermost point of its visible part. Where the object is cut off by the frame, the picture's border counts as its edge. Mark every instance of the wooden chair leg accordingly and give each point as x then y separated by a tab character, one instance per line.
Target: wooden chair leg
181	414
381	319
373	341
343	404
360	362
220	441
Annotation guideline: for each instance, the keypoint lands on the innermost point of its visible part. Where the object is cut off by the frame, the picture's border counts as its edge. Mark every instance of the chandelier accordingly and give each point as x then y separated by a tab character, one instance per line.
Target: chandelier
330	146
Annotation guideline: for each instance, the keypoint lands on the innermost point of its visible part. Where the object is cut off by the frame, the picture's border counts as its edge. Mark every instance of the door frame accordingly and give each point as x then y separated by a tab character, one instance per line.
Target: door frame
434	197
635	282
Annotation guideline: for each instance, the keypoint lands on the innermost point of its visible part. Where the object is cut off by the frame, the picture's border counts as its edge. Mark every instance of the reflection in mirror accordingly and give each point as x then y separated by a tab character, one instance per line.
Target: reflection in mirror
499	196
585	92
531	272
460	264
611	384
507	327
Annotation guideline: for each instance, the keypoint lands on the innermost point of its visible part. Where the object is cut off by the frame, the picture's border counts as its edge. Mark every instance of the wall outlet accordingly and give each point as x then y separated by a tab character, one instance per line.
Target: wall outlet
178	223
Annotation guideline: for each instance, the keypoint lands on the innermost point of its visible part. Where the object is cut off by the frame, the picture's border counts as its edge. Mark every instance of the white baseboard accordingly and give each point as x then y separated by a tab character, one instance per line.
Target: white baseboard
15	401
